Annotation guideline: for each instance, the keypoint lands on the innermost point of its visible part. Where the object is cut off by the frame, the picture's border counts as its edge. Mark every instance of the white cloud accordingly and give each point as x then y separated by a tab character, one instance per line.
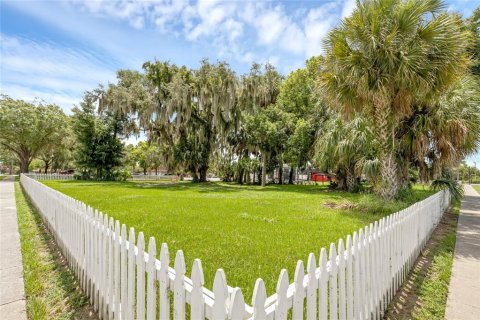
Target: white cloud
348	7
317	24
270	25
133	12
229	25
247	57
129	32
28	94
293	39
168	12
56	74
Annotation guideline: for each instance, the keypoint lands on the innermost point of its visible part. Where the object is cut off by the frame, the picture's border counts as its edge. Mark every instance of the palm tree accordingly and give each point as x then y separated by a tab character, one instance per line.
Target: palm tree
386	59
440	137
345	148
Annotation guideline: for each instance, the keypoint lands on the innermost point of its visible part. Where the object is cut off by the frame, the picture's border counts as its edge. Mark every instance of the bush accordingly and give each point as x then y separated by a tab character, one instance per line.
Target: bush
84	175
455	188
376	205
122	175
405	194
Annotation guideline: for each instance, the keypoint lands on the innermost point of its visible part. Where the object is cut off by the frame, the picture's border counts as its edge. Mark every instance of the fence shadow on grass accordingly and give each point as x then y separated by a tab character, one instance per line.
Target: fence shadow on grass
65	279
221	187
228	187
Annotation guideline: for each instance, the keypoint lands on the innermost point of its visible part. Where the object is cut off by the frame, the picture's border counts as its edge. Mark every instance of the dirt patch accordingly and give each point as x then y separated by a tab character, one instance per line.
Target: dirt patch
407	300
344	205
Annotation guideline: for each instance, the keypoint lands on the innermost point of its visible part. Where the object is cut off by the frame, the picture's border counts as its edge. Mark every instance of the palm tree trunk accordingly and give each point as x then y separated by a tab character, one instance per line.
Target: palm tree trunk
388	171
403	175
385	131
350	181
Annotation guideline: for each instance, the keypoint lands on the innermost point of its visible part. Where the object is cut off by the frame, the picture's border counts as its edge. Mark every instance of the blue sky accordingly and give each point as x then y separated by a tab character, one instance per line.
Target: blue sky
55	50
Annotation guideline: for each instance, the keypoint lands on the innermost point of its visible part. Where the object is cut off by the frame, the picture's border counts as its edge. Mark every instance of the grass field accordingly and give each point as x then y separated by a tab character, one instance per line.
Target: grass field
249	231
477	187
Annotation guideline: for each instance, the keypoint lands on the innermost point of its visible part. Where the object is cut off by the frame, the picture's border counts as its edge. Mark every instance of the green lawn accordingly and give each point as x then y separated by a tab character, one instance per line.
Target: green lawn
249	231
477	187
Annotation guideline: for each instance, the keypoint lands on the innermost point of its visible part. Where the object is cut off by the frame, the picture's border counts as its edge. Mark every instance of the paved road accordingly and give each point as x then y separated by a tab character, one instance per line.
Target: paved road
12	293
463	301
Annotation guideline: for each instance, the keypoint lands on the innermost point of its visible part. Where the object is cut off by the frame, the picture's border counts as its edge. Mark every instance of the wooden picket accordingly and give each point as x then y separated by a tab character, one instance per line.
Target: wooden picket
355	279
49	176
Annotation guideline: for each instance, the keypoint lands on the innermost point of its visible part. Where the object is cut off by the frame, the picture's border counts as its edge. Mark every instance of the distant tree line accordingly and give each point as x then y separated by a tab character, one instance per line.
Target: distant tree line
394	97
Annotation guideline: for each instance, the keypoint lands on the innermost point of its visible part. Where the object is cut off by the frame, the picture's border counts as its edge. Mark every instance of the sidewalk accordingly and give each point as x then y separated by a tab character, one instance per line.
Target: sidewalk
12	292
463	301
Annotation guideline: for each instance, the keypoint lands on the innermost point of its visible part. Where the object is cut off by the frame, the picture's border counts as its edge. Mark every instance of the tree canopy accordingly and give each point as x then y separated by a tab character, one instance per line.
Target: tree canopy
394	96
99	150
387	60
28	129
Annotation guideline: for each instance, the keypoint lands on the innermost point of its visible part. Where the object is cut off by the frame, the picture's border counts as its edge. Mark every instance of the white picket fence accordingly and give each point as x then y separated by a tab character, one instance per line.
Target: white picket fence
151	177
355	280
50	176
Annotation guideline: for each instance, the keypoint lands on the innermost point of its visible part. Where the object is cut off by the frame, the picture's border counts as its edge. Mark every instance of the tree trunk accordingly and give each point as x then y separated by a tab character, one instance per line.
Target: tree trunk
264	170
202	174
144	171
280	174
388	172
47	164
24	164
385	131
341	180
423	172
403	175
290	175
350	181
240	176
194	176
